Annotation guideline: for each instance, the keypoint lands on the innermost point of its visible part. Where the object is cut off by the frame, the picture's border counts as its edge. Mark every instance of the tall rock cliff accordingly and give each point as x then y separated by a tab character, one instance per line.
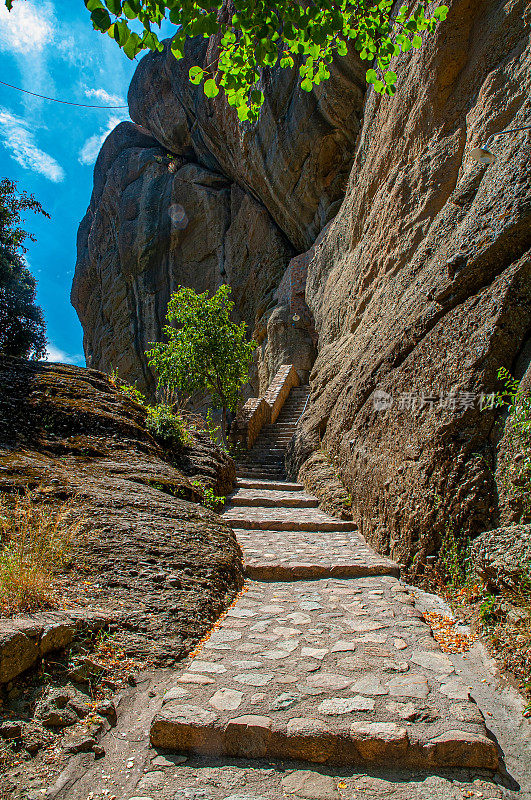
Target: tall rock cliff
189	196
408	264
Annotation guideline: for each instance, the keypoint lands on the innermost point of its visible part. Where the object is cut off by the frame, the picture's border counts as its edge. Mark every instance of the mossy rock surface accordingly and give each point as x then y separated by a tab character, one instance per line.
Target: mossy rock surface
146	548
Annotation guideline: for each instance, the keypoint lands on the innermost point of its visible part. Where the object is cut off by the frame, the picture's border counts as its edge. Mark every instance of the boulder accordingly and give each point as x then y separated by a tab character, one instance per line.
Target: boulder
502	557
296	158
18	652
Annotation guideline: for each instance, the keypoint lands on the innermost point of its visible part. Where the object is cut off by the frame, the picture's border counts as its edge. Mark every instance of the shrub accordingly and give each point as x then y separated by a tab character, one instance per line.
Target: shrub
518	429
209	500
35	540
454	564
167	426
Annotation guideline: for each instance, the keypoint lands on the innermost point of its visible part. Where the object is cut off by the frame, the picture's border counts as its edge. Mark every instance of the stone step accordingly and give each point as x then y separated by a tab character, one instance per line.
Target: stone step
263	461
336	672
272	498
284	519
261	453
280	426
272	474
293	555
261	464
283	486
273	439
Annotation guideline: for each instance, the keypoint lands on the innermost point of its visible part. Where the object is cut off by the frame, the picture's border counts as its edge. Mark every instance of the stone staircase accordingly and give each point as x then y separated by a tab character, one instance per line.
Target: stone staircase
266	459
324	657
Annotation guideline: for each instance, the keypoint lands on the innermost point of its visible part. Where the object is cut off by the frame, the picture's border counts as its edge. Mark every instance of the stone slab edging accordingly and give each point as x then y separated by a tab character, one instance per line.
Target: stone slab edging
186	729
260	411
23	640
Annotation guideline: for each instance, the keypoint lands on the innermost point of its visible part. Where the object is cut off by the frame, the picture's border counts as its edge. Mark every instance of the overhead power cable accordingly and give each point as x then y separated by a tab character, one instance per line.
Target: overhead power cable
54	99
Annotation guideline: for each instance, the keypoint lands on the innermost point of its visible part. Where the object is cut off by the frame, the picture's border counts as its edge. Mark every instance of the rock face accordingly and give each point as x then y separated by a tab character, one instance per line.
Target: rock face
503	556
166	565
153	224
409	283
421	287
187	196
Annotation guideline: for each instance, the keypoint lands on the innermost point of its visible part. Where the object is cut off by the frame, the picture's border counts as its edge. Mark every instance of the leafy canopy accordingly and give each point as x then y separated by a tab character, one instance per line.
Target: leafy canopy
206	351
21	320
261	34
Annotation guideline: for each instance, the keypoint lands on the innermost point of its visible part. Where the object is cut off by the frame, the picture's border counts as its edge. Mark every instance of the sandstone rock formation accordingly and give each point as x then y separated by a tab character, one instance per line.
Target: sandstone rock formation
188	196
503	557
418	288
155	223
166	565
421	288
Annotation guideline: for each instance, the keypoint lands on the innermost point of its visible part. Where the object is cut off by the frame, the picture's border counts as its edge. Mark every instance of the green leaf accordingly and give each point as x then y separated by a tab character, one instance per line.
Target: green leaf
342	48
257	97
307	85
114	6
211	88
371	76
390	77
121	32
416	41
128	10
177	47
92	5
133	46
196	74
101	19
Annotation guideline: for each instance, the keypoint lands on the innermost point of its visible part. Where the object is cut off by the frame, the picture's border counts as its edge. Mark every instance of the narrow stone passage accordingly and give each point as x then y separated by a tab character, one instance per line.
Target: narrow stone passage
324	657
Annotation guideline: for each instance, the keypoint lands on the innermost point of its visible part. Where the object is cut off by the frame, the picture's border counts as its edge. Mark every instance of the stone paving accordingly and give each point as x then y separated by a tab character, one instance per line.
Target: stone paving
322	682
284	519
323	658
328	671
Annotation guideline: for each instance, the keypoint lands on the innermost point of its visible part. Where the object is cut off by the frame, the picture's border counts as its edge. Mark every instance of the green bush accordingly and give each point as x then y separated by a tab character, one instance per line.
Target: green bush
209	500
166	425
454	563
518	429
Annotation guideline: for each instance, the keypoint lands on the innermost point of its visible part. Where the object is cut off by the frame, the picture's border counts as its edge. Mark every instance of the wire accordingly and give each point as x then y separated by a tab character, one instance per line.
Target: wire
54	100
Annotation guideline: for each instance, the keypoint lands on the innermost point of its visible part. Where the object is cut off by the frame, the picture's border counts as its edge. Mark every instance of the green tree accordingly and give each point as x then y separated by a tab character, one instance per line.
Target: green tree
206	351
22	332
261	34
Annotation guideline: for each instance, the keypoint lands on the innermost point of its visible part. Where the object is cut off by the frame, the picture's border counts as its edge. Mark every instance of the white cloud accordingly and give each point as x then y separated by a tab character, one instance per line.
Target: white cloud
53	353
105	97
26	29
20	140
89	152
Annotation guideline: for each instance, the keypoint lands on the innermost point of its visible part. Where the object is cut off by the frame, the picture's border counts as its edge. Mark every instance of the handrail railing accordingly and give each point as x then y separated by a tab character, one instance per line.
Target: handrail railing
304	409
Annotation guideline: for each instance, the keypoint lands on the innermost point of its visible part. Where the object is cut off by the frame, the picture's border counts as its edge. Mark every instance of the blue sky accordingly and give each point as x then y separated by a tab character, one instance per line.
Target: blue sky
49	47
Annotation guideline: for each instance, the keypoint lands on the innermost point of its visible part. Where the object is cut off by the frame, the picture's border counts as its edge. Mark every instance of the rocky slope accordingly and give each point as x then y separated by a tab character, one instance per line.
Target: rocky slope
418	285
165	565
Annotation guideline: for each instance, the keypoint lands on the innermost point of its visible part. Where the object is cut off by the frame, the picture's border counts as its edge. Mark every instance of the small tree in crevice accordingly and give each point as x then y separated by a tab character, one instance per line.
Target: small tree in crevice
206	351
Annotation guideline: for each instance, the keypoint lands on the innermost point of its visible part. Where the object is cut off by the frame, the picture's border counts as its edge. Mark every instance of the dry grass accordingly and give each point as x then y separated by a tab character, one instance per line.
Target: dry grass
35	540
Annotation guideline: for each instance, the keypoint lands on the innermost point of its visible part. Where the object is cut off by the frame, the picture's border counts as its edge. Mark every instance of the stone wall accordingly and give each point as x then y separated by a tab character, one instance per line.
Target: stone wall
259	411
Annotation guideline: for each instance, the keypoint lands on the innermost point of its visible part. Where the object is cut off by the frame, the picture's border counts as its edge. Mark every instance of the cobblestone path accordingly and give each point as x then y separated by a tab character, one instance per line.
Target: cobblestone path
324	657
